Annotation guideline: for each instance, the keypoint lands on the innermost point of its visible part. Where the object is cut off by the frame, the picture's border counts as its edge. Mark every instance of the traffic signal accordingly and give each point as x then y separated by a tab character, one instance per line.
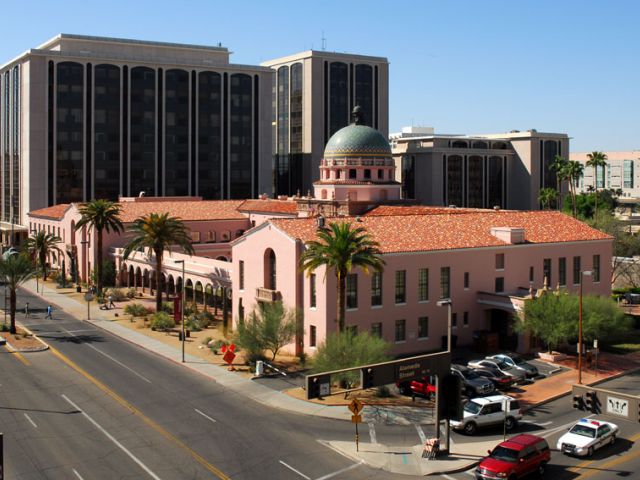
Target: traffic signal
450	400
591	402
578	402
367	377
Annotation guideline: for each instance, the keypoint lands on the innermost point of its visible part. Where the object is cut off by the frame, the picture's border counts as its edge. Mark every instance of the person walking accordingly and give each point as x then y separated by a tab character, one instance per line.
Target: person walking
27	313
111	304
49	312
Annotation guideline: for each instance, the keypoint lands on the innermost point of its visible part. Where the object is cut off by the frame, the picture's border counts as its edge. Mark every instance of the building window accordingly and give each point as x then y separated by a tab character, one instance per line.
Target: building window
445	282
272	279
627	174
352	290
367	173
576	271
401	330
352	174
376	289
376	329
596	268
466	280
195	237
312	290
499	261
454	320
241	273
531	276
562	271
465	319
211	237
312	336
546	270
499	284
423	284
401	286
423	327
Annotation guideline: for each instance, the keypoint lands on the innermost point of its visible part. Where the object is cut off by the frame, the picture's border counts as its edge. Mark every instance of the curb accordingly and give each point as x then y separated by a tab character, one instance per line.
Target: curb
45	345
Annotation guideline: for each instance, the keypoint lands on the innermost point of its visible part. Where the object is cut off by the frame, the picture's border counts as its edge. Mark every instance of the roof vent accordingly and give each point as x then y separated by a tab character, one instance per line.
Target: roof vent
496	208
358	219
511	235
452	206
320	221
142	193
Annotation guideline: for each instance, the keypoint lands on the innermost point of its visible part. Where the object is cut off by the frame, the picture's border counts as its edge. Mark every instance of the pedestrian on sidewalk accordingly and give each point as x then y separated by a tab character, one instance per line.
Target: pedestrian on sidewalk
49	312
111	304
27	313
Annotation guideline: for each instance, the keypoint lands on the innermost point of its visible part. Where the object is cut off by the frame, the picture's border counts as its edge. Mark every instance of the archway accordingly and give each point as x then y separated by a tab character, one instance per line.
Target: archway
145	280
138	278
132	277
171	286
188	290
208	296
269	269
179	286
199	292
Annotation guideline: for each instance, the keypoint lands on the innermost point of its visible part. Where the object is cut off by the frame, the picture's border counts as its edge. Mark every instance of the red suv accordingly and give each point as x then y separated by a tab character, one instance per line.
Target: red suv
515	458
424	386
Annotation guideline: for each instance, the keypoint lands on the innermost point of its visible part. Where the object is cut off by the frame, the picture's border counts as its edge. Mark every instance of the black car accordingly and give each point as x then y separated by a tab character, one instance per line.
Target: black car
472	383
500	380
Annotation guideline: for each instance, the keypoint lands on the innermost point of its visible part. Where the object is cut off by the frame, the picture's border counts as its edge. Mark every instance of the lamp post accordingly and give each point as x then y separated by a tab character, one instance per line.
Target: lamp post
588	274
34	232
182	306
441	303
87	296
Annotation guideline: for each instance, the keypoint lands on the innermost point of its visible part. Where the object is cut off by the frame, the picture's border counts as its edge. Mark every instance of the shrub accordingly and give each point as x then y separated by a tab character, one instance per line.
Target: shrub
190	309
117	294
302	359
383	392
161	321
131	293
167	307
205	319
4	327
192	324
136	310
206	340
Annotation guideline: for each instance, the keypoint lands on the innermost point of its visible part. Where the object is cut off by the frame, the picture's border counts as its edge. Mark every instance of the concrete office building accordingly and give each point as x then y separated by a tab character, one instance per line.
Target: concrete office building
313	95
621	172
478	171
90	117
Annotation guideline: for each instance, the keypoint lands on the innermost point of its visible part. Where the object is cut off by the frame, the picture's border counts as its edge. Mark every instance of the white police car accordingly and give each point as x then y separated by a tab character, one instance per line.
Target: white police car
586	436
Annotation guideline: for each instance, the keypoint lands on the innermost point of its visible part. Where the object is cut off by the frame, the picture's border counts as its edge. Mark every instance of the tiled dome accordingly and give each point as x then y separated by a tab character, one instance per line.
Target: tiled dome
357	141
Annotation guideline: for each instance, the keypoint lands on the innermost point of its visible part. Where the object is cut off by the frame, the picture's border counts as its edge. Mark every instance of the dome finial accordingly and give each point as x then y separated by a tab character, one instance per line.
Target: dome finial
357	115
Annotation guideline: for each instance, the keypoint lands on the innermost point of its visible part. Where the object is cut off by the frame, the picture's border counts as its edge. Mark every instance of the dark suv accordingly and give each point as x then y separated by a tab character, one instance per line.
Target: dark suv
515	458
472	384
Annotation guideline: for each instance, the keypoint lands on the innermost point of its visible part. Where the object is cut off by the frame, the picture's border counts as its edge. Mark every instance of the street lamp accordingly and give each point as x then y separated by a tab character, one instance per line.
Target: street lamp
87	296
34	232
588	273
182	306
441	303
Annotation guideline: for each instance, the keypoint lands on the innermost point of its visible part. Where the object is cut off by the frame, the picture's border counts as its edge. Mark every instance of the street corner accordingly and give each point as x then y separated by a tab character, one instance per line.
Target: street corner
23	341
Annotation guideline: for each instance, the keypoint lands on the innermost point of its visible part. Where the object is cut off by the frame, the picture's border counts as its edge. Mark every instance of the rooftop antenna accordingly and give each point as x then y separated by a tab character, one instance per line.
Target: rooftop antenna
324	41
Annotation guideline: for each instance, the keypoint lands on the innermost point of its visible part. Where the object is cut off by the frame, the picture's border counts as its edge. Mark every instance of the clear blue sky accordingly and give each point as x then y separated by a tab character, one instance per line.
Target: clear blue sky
473	66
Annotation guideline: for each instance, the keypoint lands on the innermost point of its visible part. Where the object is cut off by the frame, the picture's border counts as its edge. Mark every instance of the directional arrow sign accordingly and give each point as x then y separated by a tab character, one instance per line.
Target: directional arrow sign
356	406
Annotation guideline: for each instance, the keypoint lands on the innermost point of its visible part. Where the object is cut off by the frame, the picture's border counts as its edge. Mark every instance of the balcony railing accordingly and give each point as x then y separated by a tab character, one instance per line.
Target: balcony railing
267	295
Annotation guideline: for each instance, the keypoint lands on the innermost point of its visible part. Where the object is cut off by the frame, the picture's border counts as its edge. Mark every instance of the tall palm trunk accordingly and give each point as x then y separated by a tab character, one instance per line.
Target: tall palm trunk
158	283
12	310
99	260
342	288
42	257
572	189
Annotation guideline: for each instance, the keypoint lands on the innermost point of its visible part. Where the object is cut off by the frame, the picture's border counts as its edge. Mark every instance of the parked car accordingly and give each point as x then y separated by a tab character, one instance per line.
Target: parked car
487	411
472	383
517	362
500	380
515	458
425	386
586	436
517	375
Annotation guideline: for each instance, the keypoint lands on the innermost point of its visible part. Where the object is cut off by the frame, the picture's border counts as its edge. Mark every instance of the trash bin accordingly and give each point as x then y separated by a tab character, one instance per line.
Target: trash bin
259	367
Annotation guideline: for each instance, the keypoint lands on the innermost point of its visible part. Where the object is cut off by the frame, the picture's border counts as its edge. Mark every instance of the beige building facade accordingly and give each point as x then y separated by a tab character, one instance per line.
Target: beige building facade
622	171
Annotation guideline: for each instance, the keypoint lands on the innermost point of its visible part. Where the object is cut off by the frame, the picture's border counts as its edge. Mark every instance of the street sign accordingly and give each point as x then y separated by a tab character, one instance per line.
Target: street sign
618	406
356	406
88	297
356	418
228	357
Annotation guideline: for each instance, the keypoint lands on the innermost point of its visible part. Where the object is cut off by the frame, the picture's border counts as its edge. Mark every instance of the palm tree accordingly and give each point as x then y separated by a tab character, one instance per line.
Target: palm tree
14	271
546	197
103	216
39	246
596	160
158	232
342	248
558	164
572	172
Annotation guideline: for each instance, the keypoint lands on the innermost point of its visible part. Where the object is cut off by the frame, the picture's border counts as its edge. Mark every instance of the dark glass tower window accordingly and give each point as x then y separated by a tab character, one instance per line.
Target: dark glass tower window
241	139
475	181
562	271
6	160
494	180
364	91
295	122
283	169
69	132
176	178
143	131
549	175
454	180
209	135
338	96
408	176
106	120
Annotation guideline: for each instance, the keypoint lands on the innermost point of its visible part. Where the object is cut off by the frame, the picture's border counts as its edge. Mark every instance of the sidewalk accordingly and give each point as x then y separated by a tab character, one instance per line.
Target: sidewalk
401	460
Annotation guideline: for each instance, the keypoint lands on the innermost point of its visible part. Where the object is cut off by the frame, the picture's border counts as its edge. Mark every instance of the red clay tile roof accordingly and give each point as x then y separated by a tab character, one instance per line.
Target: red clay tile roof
423	210
186	210
415	233
269	206
56	212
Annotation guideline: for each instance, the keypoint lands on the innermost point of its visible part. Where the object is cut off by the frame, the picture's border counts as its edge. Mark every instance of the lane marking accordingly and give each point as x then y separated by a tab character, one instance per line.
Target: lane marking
119	363
531	422
342	470
196	456
18	355
113	439
561	427
585	464
205	415
77	474
423	437
372	432
31	421
294	470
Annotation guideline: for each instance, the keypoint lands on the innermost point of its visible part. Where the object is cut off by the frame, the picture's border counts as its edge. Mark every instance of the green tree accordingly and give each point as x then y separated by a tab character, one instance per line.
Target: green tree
547	197
342	350
559	164
602	319
39	246
341	247
596	161
572	172
102	216
271	327
158	232
14	271
550	317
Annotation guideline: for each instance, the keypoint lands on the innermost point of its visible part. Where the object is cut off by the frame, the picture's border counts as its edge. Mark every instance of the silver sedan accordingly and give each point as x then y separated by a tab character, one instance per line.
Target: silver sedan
517	375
